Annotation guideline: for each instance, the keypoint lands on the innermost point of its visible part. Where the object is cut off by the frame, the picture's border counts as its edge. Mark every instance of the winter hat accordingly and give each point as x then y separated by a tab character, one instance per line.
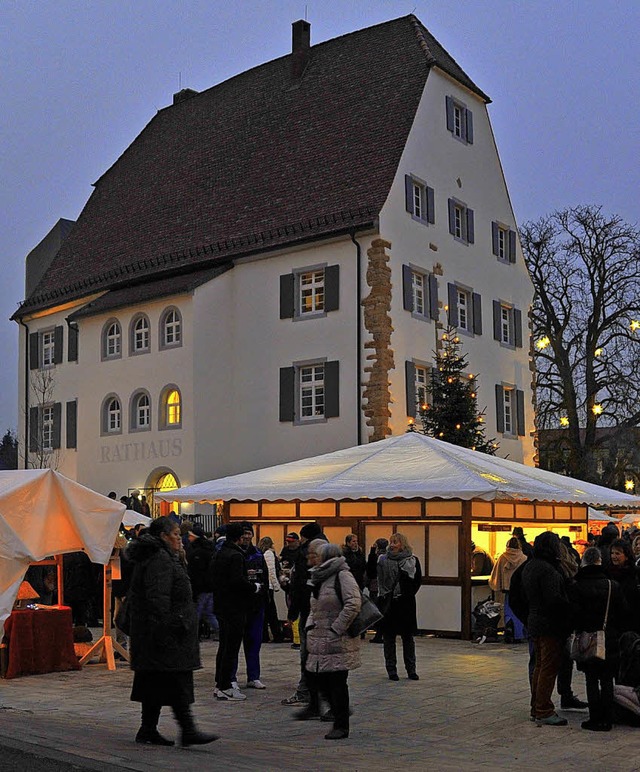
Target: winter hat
198	530
293	536
310	531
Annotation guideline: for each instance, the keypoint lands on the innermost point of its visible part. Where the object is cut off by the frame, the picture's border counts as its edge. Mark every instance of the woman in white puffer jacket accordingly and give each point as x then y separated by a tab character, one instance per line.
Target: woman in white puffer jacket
331	652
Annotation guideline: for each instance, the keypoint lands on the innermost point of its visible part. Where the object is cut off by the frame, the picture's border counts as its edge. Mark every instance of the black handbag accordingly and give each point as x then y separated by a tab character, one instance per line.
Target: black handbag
368	615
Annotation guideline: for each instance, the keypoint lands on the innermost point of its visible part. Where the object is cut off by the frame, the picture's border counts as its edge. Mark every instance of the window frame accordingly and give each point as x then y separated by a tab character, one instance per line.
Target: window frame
314	311
134	350
461	221
290	397
315	385
510	413
459	120
107	414
291	302
426	213
431	309
177	326
134	408
503	242
106	338
164	424
507	316
46	428
47	346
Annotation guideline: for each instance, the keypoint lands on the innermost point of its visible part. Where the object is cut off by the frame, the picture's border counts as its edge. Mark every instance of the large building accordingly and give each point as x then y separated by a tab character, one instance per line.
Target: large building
264	273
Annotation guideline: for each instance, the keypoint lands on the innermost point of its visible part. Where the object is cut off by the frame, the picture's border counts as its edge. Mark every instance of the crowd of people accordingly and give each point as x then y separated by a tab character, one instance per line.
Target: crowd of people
178	579
553	593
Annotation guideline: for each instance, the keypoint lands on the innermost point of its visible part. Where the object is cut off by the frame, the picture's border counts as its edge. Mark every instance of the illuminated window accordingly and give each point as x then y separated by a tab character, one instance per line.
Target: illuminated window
171	408
311	284
171	329
112	340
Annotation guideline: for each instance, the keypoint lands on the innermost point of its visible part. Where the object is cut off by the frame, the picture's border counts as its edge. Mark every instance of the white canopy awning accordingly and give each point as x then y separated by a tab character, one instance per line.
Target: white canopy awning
131	518
43	513
407	466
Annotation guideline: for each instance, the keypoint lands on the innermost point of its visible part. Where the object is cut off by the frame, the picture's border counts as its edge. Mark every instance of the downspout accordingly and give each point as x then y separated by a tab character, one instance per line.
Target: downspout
358	337
26	395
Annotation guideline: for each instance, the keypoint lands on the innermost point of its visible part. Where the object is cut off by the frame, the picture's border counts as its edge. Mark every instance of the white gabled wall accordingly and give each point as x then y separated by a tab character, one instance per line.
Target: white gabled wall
471	173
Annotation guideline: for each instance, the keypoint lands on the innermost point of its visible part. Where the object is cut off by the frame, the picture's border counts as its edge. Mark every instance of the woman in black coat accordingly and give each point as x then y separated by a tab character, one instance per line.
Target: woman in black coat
622	569
164	634
399	578
589	597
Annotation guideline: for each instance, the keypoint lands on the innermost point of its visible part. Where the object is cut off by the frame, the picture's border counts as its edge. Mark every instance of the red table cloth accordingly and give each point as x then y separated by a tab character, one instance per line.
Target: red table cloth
40	641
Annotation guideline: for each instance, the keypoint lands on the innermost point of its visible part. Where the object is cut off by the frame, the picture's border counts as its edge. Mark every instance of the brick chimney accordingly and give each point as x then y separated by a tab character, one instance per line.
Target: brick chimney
185	93
300	44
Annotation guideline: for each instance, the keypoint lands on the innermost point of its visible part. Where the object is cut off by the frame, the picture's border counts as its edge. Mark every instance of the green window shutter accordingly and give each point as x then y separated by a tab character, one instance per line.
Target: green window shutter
497	332
452	299
469	126
72	424
431	205
287	296
512	246
449	108
494	238
470	228
499	408
410	387
72	344
332	288
517	327
57	416
407	289
287	393
408	193
34	353
58	338
476	302
434	310
332	389
34	416
520	412
452	217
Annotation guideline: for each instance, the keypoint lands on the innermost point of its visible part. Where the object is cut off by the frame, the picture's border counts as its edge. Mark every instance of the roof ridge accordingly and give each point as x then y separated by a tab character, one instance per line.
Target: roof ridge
418	29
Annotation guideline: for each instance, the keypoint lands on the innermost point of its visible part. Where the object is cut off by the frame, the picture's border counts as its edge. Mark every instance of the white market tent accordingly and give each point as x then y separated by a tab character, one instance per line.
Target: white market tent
131	518
43	513
407	466
437	493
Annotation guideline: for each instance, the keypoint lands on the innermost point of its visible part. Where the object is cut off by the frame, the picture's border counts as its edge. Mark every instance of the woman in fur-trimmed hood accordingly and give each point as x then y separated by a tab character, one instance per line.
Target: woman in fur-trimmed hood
331	652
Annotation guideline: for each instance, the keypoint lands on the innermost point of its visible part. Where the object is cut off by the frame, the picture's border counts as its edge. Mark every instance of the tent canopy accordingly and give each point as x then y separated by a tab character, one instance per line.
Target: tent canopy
407	466
43	513
131	518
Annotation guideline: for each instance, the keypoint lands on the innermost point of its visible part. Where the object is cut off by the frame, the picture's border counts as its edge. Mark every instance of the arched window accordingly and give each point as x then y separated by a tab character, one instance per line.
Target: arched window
140	334
112	340
111	415
171	328
140	412
171	408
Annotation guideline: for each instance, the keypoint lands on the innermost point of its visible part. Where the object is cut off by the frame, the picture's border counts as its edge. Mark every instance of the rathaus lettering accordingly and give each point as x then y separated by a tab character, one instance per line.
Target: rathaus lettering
140	451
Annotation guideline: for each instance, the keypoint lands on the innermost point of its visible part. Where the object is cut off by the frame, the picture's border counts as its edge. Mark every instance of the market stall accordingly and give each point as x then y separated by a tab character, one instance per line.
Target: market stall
43	513
439	495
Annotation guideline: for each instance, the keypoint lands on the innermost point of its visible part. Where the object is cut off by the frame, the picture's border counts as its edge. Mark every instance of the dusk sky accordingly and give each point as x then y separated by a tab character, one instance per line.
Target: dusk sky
81	79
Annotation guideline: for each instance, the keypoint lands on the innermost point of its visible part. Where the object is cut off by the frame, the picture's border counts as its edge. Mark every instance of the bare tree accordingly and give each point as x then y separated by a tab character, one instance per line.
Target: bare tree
43	444
585	267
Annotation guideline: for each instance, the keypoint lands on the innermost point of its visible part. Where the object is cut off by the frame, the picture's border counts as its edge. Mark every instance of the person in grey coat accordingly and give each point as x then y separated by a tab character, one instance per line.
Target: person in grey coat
164	634
332	653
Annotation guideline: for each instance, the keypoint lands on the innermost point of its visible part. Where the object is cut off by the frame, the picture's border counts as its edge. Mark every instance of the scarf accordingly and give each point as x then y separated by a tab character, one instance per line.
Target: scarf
390	566
318	574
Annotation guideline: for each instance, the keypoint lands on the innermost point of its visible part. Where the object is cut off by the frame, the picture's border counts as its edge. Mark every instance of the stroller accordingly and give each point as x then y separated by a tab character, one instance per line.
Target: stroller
486	616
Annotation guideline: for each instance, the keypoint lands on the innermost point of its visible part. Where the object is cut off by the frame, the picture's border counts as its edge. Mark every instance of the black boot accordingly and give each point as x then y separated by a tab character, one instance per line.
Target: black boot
190	735
148	733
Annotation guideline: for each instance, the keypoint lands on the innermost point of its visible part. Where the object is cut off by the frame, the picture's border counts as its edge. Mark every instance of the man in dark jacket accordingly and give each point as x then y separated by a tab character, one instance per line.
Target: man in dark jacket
199	552
300	605
355	559
548	623
233	593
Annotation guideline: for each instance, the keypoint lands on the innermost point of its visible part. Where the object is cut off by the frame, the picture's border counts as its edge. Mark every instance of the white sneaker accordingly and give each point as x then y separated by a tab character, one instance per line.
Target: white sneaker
231	695
255	685
235	685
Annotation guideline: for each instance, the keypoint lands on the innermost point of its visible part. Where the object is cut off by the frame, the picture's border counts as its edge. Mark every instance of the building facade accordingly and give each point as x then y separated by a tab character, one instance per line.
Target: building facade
264	274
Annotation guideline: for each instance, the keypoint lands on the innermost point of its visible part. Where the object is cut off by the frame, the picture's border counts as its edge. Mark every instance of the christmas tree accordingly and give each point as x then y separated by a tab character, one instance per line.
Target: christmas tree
452	414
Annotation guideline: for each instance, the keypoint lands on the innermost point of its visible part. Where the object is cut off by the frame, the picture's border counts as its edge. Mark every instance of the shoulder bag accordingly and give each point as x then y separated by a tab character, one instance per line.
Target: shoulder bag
368	615
589	647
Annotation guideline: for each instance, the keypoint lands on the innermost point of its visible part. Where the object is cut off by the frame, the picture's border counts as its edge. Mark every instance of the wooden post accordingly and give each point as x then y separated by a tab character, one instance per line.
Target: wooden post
106	643
465	564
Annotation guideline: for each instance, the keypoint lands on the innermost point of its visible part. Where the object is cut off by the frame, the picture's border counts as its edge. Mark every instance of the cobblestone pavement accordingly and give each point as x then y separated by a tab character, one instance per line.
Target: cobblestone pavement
468	711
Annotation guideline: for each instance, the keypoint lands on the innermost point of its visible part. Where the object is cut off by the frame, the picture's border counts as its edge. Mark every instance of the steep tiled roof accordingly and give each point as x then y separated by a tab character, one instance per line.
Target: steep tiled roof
257	162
